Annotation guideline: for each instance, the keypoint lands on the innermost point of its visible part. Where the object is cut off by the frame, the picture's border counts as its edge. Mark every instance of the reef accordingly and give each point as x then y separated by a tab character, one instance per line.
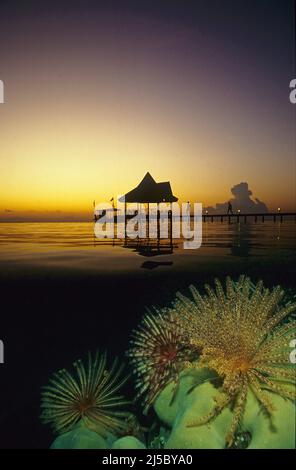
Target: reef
212	371
192	401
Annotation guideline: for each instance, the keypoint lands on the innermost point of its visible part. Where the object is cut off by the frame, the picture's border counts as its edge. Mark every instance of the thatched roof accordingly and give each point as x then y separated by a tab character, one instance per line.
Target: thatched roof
150	191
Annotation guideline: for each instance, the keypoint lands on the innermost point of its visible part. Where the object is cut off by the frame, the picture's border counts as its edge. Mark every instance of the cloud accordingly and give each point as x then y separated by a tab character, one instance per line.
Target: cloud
242	200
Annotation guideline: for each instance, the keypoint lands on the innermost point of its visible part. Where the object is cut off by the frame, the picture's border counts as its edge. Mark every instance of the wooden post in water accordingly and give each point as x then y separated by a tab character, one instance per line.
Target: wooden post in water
125	222
158	226
147	224
245	219
255	218
171	223
263	218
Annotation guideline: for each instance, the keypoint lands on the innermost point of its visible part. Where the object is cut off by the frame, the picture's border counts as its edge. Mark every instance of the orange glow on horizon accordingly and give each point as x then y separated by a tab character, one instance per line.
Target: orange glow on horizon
91	136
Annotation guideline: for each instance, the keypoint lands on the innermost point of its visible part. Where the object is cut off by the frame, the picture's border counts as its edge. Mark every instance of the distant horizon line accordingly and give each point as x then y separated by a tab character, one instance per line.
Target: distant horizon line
90	219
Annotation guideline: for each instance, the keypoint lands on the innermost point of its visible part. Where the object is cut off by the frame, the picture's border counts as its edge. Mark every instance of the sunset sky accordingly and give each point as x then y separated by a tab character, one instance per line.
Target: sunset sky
99	93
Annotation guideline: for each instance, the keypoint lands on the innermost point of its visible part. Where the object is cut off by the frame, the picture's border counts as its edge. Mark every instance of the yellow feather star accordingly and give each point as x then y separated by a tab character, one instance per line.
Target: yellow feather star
241	335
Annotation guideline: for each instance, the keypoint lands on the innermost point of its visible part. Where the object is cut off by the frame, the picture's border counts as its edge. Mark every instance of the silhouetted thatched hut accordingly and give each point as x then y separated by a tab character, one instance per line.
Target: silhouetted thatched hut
148	191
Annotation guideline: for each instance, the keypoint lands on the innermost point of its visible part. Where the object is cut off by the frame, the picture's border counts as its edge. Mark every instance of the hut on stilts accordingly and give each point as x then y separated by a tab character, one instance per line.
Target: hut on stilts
149	192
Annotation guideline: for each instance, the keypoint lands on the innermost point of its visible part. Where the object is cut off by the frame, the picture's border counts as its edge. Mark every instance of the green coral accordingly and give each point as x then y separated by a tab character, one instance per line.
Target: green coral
128	442
190	403
277	433
80	437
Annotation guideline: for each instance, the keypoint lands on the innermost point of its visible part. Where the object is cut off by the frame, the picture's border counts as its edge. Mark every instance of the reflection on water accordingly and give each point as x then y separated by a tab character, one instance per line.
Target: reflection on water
149	248
155	264
74	245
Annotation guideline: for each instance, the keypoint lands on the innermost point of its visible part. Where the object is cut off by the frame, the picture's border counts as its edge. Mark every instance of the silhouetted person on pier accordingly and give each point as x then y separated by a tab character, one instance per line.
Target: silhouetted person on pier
229	209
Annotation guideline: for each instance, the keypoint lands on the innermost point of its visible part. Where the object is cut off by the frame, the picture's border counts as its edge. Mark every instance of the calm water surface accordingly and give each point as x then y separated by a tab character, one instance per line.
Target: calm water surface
72	246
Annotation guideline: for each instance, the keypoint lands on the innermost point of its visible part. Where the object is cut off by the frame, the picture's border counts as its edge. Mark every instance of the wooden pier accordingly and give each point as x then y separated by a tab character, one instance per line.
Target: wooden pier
235	217
259	217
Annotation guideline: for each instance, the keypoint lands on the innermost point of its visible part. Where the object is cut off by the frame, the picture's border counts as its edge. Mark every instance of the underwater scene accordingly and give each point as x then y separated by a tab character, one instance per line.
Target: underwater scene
120	348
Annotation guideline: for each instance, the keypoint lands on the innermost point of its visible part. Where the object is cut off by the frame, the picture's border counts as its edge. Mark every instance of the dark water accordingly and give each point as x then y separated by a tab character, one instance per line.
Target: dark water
64	293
